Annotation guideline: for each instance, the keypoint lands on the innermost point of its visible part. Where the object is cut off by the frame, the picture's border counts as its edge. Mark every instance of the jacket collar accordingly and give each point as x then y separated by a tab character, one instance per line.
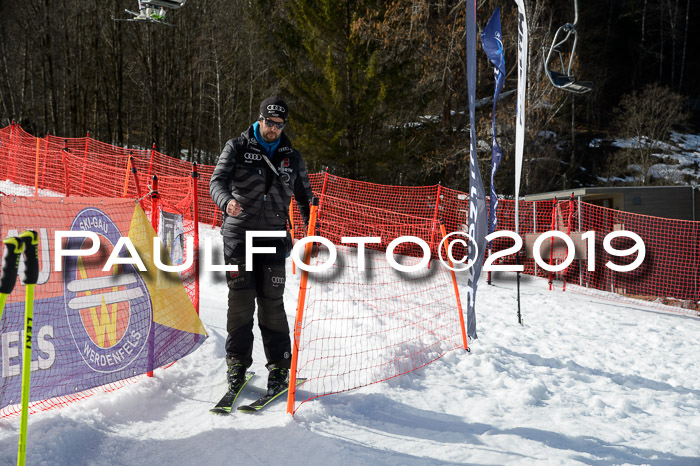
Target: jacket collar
284	149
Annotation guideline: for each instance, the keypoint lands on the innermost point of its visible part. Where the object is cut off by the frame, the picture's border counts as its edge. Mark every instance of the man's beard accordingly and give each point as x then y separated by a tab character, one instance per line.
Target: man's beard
266	137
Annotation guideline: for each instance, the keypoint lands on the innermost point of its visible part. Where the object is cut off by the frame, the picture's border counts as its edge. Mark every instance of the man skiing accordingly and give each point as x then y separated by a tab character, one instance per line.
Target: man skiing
253	182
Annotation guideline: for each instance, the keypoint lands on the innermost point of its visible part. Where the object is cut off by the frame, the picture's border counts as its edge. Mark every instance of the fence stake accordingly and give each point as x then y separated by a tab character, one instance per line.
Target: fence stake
435	219
301	301
36	168
150	164
323	192
64	159
10	157
580	262
126	175
155	203
551	241
195	200
85	154
456	289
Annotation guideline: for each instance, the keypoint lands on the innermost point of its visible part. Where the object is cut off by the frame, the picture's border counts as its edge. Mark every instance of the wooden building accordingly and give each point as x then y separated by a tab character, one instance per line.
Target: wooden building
676	202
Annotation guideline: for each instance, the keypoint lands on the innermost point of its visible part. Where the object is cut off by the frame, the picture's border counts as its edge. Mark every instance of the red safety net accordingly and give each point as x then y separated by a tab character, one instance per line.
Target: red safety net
91	327
59	167
84	167
666	279
379	311
61	401
362	326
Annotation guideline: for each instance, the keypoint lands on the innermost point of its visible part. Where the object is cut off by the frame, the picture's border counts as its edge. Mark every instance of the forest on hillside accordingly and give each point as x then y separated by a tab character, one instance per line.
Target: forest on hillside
377	88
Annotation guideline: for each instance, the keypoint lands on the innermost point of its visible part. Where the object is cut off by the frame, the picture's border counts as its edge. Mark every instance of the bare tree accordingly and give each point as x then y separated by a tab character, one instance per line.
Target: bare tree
647	117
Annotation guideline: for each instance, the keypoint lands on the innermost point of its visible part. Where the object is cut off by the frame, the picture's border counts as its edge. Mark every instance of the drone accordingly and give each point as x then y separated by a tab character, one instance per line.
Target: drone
153	11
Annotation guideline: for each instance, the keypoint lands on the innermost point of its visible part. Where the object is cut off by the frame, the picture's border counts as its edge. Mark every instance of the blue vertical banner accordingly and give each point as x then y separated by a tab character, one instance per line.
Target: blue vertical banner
493	46
477	197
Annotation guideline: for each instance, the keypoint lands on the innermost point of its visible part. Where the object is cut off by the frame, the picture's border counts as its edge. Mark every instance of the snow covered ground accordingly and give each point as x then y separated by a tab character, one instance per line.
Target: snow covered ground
581	382
678	160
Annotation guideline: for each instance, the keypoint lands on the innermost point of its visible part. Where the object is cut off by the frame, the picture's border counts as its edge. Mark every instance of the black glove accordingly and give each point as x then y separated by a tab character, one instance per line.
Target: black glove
314	249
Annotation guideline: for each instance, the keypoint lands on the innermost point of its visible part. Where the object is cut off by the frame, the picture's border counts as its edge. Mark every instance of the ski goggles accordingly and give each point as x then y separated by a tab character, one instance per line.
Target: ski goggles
273	124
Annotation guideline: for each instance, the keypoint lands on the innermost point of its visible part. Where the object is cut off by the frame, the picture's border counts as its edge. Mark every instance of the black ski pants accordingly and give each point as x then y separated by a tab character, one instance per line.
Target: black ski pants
264	284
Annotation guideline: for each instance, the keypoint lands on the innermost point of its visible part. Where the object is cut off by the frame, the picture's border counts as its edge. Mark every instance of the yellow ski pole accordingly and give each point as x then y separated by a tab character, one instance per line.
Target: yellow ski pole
31	275
10	263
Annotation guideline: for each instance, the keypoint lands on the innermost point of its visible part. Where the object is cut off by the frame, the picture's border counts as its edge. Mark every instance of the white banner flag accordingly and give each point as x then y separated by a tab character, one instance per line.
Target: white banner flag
522	90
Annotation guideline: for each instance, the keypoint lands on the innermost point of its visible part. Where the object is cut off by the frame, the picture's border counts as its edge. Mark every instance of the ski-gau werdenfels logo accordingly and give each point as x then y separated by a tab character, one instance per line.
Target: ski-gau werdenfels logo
109	313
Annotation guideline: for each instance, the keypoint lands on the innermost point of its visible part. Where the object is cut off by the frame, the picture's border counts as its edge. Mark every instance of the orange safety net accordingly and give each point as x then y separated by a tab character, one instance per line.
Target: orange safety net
91	327
364	321
58	167
83	166
353	317
667	278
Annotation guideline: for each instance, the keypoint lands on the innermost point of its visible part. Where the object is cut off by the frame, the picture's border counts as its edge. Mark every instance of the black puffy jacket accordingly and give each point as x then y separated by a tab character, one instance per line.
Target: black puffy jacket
243	174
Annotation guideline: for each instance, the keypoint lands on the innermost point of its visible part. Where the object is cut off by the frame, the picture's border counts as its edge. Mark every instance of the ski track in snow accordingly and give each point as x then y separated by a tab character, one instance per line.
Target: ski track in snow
583	381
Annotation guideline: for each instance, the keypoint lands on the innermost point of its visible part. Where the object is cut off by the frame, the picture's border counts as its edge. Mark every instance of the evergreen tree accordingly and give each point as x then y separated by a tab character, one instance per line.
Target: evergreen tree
339	87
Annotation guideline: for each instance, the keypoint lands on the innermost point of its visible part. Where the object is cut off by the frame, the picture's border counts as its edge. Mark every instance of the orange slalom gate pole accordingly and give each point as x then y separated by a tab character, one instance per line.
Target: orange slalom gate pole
435	219
136	182
456	289
301	301
126	176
